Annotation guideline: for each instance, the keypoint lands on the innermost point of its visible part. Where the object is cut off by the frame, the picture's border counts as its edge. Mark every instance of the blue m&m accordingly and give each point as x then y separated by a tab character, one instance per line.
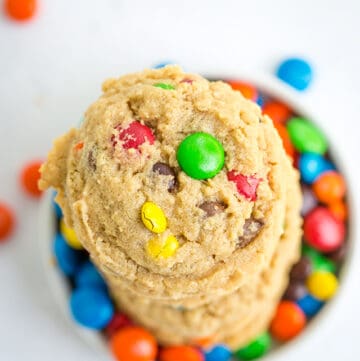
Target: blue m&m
296	72
91	307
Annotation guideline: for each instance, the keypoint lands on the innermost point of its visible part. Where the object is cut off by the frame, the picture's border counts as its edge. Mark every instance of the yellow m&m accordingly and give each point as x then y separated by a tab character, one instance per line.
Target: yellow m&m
157	248
322	285
70	235
153	217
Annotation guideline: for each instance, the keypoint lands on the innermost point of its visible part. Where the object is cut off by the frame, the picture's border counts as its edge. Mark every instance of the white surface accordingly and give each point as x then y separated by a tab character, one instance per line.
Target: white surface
51	69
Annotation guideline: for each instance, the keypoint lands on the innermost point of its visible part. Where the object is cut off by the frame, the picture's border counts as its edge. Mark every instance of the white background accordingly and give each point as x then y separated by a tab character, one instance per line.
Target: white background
52	68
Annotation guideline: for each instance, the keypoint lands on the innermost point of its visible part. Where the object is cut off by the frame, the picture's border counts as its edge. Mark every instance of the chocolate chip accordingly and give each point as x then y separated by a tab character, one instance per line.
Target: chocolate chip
92	160
295	291
212	208
165	169
250	230
301	270
338	255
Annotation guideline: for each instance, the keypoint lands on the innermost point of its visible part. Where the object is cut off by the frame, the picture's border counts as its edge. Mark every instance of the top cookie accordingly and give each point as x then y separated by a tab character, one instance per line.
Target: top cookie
174	184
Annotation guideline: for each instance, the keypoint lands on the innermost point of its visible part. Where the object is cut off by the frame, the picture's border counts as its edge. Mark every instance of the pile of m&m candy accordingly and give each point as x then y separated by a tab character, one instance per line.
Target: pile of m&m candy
313	280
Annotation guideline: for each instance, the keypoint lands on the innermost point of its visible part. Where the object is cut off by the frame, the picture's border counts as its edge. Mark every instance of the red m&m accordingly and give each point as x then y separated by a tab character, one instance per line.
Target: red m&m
323	231
246	185
134	135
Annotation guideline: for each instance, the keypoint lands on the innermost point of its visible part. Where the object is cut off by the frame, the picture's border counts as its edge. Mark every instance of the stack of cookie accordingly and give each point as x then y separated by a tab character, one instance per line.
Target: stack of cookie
182	193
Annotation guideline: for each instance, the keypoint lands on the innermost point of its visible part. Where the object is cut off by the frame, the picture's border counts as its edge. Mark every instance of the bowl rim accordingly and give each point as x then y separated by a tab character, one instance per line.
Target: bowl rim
278	90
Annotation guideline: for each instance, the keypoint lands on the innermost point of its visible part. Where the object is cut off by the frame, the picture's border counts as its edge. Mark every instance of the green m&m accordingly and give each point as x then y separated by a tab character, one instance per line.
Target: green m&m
255	349
164	86
305	136
319	261
201	156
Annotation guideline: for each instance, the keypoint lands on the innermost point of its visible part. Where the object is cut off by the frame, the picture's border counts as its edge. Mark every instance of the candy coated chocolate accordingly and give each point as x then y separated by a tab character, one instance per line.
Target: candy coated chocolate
201	156
306	137
296	72
91	307
255	349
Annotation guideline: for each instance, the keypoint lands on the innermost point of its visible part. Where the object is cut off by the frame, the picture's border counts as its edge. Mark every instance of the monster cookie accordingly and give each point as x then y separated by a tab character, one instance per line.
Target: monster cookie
175	185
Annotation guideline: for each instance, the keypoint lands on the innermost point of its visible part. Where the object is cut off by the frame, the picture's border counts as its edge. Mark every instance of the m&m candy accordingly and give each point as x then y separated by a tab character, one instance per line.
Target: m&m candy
133	136
162	64
7	221
255	349
200	155
20	9
183	353
218	353
310	305
133	343
323	231
153	217
91	307
245	185
295	291
70	235
288	322
278	112
339	210
119	320
312	165
88	275
309	200
67	258
30	176
306	137
246	89
164	86
301	270
296	72
282	131
157	248
322	285
329	187
318	261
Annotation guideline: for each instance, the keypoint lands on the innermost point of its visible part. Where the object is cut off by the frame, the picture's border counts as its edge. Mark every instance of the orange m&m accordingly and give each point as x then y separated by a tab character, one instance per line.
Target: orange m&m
20	9
284	135
278	112
30	176
339	210
183	353
288	322
133	344
7	221
329	187
246	89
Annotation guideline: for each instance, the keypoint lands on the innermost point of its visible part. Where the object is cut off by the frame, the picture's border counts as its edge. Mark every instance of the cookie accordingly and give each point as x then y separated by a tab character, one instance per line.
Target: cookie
175	185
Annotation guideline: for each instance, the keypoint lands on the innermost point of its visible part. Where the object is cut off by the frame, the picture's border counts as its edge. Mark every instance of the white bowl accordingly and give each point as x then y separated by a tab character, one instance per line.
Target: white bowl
60	287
